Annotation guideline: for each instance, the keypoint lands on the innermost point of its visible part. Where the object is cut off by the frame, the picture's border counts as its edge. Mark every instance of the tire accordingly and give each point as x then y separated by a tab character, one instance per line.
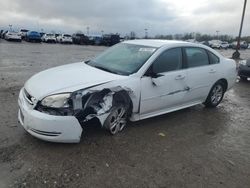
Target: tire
215	95
117	119
243	78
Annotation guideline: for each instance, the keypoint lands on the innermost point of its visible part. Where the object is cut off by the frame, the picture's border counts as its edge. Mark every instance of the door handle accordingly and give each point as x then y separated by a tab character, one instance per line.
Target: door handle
180	77
212	71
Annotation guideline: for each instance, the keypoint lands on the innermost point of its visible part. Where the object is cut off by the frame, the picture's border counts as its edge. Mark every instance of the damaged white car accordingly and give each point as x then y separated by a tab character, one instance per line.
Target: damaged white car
132	80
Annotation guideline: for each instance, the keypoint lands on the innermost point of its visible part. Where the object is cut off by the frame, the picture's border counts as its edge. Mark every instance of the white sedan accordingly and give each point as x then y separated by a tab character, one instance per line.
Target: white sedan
49	38
132	80
64	38
13	36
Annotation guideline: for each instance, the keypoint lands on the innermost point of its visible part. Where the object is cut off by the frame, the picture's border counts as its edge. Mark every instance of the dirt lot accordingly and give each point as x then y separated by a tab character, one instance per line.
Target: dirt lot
201	147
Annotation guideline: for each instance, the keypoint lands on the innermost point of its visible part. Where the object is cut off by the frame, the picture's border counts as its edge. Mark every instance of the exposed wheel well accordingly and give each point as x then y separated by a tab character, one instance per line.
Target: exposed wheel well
123	97
92	102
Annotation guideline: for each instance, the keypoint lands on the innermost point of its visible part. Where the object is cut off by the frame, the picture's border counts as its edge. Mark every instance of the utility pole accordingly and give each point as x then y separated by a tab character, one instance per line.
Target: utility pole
146	33
10	27
217	34
236	54
87	31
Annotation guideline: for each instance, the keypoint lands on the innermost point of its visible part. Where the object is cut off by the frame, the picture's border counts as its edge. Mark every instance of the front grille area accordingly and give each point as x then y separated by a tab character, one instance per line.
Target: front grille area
45	133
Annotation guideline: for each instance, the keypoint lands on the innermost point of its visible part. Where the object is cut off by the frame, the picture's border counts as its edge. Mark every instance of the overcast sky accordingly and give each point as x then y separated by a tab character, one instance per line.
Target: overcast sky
158	16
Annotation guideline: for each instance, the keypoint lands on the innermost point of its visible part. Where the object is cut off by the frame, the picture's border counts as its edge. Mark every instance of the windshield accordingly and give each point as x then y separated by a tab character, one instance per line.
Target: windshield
123	58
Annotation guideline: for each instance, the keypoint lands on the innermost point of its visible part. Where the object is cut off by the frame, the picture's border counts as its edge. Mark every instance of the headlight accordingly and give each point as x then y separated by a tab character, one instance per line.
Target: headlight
56	101
243	62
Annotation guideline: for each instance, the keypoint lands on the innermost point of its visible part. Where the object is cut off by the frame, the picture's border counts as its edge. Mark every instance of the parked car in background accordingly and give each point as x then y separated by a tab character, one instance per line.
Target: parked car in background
215	44
42	33
243	45
13	36
33	36
110	39
224	45
234	45
95	39
244	69
3	33
64	38
192	40
132	80
49	38
205	43
79	38
23	32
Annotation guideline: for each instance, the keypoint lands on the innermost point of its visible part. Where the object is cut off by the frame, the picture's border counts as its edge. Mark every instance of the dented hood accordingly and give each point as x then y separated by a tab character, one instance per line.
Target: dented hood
67	78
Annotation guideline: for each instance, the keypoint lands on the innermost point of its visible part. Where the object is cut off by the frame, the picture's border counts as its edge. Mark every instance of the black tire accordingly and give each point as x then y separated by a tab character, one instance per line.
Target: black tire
243	78
117	119
215	95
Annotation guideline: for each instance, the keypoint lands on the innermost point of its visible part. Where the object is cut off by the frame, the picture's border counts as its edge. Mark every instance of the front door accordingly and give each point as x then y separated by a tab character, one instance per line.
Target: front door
168	87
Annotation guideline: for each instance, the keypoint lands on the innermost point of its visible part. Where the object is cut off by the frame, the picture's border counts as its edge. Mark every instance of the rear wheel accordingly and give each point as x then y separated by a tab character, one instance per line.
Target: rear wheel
215	95
117	119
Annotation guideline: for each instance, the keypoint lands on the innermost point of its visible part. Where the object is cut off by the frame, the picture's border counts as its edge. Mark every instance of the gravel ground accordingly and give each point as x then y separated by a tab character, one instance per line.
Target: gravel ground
194	147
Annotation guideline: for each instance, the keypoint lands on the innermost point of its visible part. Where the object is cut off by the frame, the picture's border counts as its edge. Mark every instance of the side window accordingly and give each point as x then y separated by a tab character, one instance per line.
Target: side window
213	58
196	57
168	61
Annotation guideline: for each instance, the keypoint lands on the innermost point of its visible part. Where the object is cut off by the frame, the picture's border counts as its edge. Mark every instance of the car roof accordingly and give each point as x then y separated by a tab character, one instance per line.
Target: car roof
169	44
158	43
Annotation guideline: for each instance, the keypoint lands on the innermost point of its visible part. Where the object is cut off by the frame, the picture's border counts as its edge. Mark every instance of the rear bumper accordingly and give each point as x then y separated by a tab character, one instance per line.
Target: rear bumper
66	41
50	40
14	38
46	127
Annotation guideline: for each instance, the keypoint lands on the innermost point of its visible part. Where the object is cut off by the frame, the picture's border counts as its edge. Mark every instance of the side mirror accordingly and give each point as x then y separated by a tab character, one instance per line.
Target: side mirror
152	74
157	75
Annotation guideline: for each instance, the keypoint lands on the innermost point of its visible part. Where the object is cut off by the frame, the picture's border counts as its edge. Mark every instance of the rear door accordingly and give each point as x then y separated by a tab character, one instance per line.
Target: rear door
202	72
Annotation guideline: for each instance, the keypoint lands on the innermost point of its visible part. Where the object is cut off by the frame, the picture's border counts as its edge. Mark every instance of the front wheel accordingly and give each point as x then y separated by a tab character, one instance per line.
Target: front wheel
117	119
215	95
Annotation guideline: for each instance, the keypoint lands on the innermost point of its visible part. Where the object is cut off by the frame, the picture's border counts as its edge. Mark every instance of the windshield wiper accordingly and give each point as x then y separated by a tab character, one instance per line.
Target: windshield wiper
87	62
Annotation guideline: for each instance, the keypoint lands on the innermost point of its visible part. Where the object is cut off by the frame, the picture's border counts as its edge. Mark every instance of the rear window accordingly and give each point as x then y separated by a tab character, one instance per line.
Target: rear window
213	58
196	57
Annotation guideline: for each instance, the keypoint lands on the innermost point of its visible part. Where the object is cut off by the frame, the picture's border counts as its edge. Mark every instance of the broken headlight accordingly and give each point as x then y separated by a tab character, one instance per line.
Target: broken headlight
56	101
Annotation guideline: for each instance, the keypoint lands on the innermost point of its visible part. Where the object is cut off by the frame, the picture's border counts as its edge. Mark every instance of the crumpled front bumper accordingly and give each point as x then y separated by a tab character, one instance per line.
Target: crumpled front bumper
47	127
